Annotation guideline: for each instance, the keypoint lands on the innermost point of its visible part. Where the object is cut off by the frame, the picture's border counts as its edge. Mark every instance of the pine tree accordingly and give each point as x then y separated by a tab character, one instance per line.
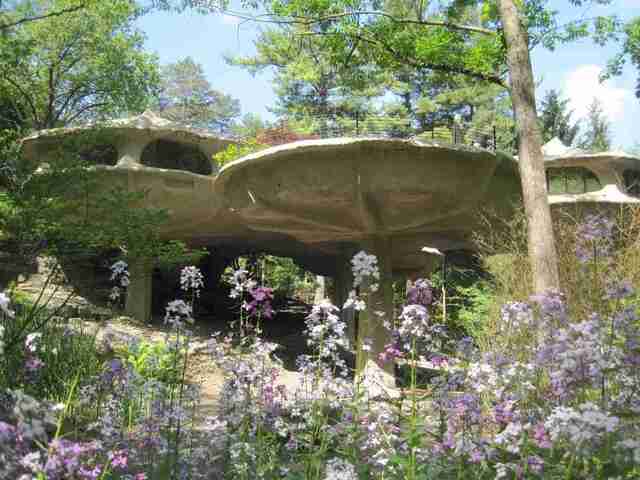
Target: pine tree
597	137
555	119
186	96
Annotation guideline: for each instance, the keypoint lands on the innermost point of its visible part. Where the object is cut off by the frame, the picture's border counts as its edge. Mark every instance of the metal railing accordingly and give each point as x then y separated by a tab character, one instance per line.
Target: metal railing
360	125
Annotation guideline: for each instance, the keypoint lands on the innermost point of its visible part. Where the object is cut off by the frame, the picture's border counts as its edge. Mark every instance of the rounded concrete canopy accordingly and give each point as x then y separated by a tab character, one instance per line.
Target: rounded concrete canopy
335	194
313	200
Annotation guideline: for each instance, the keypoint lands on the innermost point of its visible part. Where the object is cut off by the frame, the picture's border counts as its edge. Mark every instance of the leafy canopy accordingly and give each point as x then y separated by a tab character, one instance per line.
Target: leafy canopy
82	65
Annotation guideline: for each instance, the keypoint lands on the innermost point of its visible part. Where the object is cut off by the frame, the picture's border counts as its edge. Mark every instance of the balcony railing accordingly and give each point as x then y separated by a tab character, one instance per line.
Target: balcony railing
358	125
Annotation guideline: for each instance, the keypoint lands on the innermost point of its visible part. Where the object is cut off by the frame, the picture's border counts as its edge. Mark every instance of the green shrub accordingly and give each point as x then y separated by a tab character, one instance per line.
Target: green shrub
155	360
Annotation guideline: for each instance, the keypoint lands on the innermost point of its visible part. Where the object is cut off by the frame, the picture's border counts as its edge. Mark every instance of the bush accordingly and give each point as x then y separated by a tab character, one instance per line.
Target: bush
155	361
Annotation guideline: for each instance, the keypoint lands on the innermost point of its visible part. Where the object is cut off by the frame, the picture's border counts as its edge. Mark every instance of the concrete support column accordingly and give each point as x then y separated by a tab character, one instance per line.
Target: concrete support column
379	308
130	151
138	304
320	292
343	284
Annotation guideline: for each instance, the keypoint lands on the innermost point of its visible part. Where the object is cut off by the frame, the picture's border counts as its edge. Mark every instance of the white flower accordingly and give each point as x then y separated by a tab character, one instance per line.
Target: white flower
178	311
32	342
353	301
338	469
191	278
114	294
4	305
120	273
364	266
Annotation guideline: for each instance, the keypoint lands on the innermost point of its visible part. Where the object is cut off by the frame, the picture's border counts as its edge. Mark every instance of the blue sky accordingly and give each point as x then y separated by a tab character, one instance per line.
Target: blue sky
572	68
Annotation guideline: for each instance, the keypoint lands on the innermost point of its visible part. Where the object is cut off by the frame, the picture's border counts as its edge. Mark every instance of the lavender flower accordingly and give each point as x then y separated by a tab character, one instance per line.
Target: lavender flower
594	238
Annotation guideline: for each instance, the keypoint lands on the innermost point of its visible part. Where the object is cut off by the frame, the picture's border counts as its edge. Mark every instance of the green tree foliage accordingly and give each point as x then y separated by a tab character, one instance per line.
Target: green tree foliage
79	66
250	125
555	119
186	96
630	51
632	47
597	136
308	79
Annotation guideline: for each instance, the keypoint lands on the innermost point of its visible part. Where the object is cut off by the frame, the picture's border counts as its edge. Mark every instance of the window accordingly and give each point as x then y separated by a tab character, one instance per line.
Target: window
100	155
573	180
632	182
176	156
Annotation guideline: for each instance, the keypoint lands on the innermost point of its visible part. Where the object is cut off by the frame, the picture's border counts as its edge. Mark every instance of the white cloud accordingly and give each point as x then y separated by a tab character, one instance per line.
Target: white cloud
230	19
582	85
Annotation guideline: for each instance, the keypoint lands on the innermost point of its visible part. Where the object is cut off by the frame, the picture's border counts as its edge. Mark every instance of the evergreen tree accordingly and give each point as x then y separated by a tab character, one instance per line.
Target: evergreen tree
555	119
186	96
597	137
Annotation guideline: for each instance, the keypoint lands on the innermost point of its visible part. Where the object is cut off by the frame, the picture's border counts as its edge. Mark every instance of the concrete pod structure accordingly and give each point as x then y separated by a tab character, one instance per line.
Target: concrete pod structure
578	177
317	201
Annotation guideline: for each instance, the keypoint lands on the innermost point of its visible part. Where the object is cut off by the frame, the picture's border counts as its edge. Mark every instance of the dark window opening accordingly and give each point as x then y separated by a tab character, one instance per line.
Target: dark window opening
573	180
176	156
632	182
100	155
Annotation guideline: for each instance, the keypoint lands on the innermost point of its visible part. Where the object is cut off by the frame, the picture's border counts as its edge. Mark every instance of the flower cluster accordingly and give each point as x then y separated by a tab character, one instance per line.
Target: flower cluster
5	303
365	266
420	293
594	238
259	304
191	280
120	276
241	283
177	313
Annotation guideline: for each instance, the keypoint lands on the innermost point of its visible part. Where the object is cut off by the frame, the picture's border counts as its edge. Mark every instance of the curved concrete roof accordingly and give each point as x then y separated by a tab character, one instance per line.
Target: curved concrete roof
137	131
317	200
339	191
607	166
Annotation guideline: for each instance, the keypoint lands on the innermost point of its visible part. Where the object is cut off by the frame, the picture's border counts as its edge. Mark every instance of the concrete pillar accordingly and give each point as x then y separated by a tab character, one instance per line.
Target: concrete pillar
320	291
343	284
370	322
130	151
138	303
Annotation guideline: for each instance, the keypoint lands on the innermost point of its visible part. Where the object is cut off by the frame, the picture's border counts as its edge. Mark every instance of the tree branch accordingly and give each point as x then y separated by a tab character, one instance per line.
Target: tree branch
497	79
6	26
296	20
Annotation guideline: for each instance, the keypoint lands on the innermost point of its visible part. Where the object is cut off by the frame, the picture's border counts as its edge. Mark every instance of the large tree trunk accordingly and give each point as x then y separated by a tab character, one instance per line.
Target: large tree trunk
542	250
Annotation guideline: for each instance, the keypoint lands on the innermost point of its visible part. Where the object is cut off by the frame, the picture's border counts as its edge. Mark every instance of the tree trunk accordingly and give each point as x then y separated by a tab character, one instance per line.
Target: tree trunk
542	250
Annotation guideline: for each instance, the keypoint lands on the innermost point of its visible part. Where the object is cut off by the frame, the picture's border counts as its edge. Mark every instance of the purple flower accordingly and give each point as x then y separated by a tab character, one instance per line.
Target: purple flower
119	459
260	304
619	290
536	464
420	293
594	238
33	364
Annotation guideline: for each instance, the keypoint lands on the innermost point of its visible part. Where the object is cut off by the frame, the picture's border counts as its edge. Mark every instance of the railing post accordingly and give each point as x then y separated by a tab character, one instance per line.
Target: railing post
495	139
357	123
